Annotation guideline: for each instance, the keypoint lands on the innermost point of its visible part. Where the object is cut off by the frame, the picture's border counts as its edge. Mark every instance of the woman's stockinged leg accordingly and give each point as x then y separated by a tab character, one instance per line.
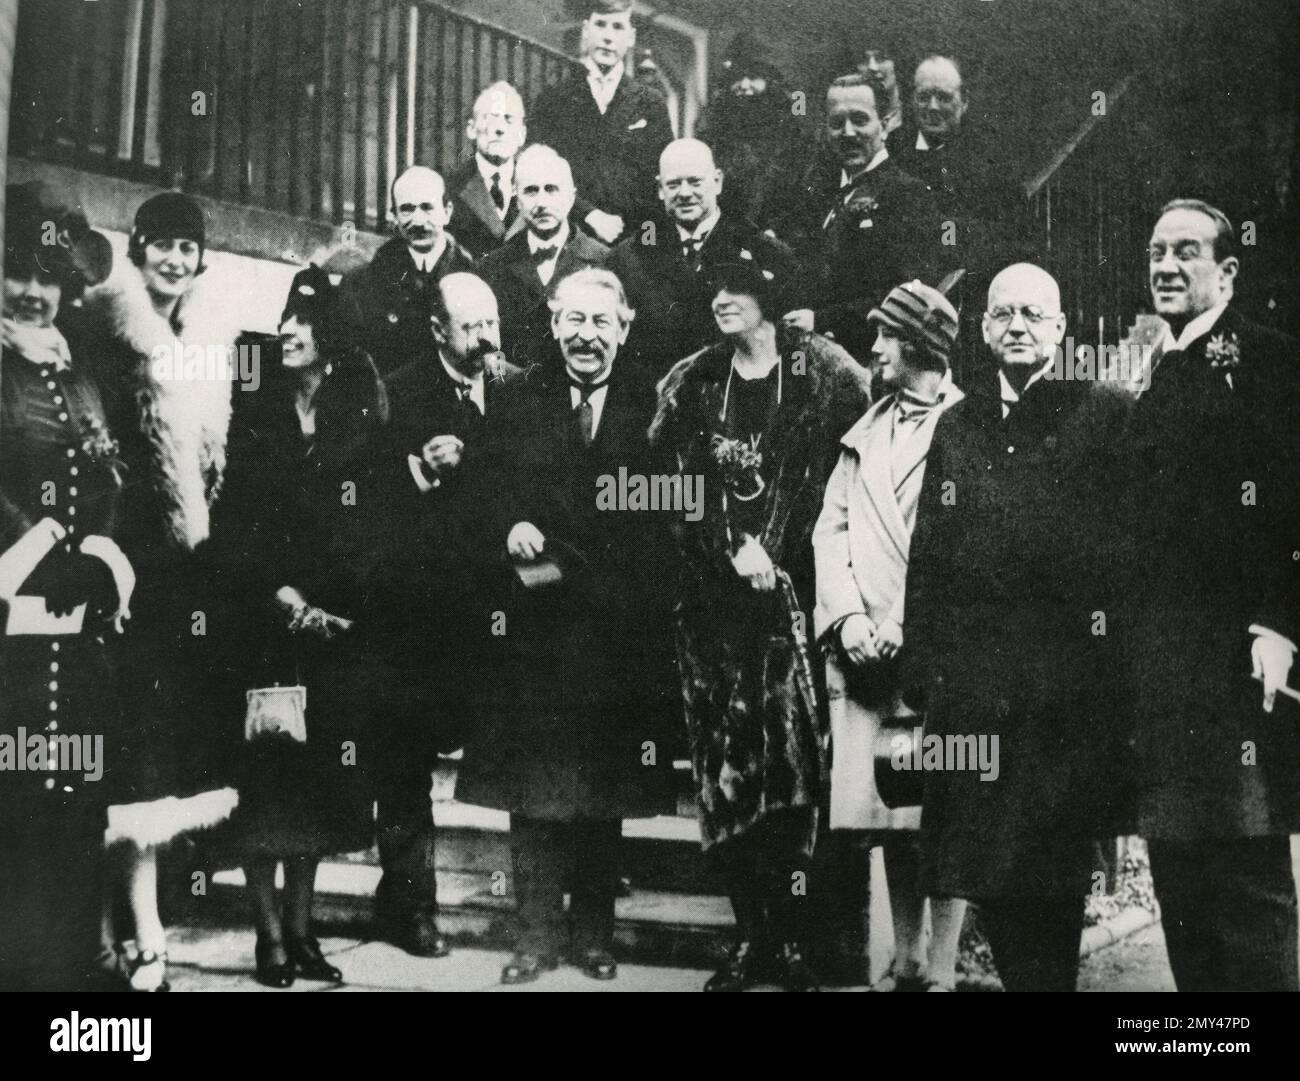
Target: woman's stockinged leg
906	903
299	889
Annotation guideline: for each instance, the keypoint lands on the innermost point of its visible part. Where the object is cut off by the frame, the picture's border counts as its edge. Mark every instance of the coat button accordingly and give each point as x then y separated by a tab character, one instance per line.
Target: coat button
51	384
63	416
54	685
72	471
58	399
54	666
1011	450
54	647
392	317
54	707
72	491
53	726
72	453
49	783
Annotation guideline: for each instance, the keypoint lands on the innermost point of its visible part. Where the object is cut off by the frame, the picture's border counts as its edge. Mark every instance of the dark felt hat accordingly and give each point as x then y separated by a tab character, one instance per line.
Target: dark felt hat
42	234
169	215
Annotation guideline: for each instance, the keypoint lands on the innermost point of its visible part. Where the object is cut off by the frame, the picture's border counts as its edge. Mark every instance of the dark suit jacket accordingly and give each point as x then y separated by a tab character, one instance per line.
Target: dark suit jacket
1004	581
673	299
521	296
884	231
614	156
474	218
1215	516
583	677
385	306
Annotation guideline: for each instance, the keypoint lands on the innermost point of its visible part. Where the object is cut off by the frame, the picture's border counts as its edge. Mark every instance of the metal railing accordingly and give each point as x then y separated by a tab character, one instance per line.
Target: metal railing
309	107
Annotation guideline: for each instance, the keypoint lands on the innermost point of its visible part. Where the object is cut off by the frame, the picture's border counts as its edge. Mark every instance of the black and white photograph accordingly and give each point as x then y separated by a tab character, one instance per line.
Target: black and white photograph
669	496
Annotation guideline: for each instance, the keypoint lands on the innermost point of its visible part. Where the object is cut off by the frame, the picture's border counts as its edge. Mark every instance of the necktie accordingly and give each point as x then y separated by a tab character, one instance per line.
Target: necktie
691	251
464	399
498	196
584	414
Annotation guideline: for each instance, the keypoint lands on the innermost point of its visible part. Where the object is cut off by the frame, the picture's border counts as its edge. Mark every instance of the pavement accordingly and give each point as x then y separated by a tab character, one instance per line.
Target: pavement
221	959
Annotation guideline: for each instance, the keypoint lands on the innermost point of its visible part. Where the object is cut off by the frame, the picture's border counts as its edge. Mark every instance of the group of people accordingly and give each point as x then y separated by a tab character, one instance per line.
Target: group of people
420	533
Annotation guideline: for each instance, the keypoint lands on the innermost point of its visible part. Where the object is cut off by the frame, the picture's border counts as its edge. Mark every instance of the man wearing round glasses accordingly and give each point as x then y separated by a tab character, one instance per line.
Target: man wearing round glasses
1214	616
1006	607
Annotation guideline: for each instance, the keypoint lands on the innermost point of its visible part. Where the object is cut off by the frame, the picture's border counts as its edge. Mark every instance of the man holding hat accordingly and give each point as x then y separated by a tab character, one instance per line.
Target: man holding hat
861	547
1006	632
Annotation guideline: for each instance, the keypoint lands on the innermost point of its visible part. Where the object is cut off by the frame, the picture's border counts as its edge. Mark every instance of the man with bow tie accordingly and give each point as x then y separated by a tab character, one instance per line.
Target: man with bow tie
607	124
865	221
386	305
448	409
1007	610
576	731
861	546
549	248
1213	616
669	272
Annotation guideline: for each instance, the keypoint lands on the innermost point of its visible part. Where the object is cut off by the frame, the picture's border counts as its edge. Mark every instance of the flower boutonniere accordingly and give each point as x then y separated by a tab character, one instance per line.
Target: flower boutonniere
101	448
1223	352
862	206
739	461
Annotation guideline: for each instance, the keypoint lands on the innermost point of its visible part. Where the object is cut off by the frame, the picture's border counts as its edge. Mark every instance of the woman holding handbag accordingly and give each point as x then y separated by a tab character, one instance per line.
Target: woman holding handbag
758	416
861	544
288	543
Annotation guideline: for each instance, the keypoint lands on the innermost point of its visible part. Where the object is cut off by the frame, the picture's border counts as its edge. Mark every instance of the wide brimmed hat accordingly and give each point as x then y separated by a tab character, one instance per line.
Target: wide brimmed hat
42	232
922	315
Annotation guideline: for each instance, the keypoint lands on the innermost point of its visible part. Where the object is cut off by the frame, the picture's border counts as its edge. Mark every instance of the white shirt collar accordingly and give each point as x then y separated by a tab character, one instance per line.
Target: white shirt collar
475	385
427	260
596	398
1009	395
603	86
506	170
560	239
921	142
702	230
1194	329
880	156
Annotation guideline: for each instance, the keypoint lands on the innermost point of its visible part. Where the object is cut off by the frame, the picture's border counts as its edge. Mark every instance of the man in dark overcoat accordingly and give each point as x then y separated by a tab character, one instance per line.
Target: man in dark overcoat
670	273
1007	609
608	125
447	408
580	705
549	248
386	304
864	221
1214	615
482	190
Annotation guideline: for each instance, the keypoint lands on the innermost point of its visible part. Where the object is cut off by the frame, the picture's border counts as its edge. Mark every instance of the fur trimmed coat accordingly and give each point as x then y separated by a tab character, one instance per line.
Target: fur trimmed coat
172	426
756	745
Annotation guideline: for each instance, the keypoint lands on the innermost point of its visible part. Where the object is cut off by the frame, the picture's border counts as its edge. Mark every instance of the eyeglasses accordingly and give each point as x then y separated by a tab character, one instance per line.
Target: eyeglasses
1032	314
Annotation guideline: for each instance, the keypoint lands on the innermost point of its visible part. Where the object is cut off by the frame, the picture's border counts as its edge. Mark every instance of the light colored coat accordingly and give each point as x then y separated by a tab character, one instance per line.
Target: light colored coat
861	544
864	533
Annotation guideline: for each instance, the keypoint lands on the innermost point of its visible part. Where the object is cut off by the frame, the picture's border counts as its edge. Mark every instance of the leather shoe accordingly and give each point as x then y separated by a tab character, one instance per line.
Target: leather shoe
418	935
308	962
740	970
795	972
527	968
597	963
269	973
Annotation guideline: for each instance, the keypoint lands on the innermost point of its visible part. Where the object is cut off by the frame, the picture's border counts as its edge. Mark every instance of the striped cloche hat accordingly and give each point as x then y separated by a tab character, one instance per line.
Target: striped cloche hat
922	315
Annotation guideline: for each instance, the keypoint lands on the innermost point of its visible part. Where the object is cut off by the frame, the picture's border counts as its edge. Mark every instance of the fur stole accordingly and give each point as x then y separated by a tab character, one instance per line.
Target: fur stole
184	420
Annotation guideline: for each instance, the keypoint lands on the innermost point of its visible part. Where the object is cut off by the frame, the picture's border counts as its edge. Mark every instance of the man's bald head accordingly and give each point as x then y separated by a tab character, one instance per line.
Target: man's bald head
465	322
1023	323
689	181
420	206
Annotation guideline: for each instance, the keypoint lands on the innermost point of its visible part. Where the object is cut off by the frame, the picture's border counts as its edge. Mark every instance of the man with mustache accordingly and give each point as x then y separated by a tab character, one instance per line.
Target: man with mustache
447	407
608	125
1007	599
577	725
550	248
387	304
1212	616
671	281
870	227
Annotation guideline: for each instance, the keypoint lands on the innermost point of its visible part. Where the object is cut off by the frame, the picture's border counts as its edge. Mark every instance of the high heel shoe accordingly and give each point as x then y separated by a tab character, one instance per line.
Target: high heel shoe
270	974
307	960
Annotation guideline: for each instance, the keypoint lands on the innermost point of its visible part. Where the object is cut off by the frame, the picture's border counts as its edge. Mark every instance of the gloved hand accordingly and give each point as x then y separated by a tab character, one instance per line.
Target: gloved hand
80	579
